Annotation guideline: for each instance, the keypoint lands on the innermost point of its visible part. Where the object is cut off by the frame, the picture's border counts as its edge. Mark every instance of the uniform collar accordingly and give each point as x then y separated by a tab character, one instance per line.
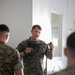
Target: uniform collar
71	66
1	42
38	41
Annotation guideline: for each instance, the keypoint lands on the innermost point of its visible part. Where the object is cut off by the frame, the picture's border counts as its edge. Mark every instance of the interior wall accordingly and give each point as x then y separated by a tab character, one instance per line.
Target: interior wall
42	15
17	14
71	14
73	7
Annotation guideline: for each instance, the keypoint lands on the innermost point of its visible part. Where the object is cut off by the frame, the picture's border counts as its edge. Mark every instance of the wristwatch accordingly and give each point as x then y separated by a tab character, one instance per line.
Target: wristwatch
50	49
24	52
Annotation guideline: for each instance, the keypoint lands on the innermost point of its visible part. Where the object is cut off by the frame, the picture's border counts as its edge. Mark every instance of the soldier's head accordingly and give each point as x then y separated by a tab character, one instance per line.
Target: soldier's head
4	33
70	46
36	30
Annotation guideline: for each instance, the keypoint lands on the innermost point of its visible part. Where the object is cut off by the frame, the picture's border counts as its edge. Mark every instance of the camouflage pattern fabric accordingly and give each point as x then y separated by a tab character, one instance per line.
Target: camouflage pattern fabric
68	71
33	61
9	60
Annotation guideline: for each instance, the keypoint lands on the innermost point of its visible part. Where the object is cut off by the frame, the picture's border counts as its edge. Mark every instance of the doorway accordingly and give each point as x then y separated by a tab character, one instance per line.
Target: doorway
56	29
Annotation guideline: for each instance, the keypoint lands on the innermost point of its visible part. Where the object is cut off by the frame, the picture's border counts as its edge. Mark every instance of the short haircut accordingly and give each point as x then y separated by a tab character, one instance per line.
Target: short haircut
71	43
4	28
36	26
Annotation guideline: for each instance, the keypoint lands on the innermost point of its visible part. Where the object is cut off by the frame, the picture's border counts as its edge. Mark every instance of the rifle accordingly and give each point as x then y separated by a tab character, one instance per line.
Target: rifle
34	45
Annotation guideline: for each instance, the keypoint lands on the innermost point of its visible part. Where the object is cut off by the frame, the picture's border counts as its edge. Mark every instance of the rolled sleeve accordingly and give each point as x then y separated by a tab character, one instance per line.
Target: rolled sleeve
18	66
18	63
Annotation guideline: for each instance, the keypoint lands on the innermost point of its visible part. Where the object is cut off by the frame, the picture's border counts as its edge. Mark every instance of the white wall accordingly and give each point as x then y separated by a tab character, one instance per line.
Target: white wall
17	14
71	14
42	15
74	15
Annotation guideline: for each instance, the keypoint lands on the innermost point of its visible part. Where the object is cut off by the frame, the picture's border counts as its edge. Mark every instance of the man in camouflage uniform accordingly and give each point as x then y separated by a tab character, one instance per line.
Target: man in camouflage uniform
9	57
33	55
69	51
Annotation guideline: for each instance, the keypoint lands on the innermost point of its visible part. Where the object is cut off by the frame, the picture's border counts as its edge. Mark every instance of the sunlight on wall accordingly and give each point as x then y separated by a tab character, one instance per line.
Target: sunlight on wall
55	41
43	19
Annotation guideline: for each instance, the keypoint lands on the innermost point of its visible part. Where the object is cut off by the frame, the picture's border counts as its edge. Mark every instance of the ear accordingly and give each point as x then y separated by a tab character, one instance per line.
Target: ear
6	36
65	51
31	31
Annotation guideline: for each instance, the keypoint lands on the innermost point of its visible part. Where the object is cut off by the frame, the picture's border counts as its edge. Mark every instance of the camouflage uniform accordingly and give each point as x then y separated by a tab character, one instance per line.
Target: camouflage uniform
68	71
33	61
9	60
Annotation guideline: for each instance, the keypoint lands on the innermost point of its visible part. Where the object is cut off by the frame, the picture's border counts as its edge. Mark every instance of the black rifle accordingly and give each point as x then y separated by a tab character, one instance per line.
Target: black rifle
34	45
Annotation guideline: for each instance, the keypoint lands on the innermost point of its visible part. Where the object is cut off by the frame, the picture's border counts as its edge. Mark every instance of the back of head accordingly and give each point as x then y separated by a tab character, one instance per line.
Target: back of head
71	43
4	33
4	28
